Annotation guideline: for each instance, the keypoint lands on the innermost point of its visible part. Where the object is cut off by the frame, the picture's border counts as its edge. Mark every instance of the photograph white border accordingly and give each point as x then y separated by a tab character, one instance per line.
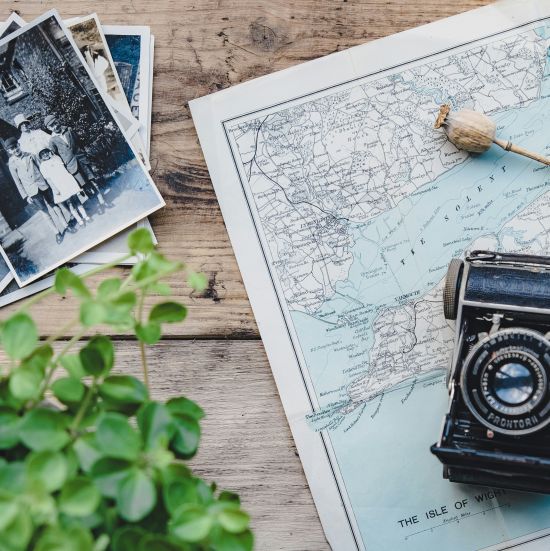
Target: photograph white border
102	257
150	93
13	18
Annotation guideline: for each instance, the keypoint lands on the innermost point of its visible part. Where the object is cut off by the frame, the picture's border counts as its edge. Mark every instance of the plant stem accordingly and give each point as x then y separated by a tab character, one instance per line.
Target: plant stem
142	344
144	364
53	364
154	278
507	145
137	286
69	344
107	266
126	281
143	283
84	406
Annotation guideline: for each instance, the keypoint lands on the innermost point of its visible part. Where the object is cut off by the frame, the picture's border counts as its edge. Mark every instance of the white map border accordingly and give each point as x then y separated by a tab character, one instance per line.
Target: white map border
297	83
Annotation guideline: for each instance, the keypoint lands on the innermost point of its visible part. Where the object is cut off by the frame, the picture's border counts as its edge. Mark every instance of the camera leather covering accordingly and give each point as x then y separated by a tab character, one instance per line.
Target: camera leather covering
501	285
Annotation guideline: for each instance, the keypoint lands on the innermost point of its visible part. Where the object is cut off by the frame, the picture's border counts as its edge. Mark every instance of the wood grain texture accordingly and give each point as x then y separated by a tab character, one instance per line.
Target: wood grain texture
203	46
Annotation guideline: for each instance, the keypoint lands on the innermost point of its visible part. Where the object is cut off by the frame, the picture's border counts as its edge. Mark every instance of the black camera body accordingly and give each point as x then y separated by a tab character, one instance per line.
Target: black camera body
497	429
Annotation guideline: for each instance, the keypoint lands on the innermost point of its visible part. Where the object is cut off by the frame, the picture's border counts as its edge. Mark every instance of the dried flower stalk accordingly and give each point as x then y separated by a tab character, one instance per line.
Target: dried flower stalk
476	132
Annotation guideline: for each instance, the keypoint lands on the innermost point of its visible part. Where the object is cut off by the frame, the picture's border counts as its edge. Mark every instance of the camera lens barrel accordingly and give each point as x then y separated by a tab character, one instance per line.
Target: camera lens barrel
504	381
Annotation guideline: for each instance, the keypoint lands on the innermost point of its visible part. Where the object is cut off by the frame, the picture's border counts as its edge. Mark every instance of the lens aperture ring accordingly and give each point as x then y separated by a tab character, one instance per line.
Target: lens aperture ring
504	381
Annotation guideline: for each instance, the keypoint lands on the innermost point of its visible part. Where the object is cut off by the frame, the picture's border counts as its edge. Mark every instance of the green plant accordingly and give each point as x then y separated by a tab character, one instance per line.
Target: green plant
89	461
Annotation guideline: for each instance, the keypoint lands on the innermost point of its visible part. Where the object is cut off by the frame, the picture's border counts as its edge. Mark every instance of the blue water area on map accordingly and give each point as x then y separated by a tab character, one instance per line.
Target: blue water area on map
384	457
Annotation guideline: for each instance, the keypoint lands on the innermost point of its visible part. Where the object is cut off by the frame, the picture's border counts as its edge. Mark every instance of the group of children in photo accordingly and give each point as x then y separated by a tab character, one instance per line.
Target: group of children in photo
51	171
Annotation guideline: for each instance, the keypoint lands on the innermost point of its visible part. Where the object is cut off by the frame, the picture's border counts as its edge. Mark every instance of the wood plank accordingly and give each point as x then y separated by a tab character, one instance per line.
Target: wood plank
202	47
218	312
246	444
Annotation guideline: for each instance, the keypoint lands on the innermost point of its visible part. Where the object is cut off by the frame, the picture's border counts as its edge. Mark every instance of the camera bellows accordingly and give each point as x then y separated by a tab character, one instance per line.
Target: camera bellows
475	132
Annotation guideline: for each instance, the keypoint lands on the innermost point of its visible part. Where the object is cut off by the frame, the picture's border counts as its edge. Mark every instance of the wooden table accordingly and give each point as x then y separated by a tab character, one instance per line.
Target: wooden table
217	357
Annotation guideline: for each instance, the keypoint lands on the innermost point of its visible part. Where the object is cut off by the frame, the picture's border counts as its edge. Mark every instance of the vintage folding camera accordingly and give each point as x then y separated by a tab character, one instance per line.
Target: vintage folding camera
497	429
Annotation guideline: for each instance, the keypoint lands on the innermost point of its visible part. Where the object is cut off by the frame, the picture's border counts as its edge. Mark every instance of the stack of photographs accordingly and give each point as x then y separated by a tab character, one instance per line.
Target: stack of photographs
75	130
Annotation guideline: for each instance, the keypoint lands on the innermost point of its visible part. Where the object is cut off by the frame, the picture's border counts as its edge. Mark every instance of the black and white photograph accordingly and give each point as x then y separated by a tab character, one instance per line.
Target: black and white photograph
90	40
109	250
69	177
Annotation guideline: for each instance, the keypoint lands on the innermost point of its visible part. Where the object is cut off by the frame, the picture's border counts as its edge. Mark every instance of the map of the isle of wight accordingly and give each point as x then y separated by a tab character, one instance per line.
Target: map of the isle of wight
357	205
362	204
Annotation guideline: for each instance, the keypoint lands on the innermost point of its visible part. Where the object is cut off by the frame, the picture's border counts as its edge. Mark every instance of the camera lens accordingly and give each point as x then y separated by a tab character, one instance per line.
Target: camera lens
504	381
513	383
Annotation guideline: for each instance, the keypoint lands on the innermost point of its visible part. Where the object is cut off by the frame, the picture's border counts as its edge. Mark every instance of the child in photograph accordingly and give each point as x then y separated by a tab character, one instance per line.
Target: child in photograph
33	188
30	141
64	143
64	186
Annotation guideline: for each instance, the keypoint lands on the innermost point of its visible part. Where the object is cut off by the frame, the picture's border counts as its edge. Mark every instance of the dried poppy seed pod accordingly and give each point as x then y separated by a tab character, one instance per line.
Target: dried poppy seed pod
467	129
475	132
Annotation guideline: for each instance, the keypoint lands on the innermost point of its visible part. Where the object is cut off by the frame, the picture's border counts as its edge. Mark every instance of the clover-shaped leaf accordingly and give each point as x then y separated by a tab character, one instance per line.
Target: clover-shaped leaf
187	435
65	279
19	336
167	312
123	390
79	497
107	472
140	241
25	382
197	281
116	438
136	496
97	357
44	429
149	333
156	424
9	428
68	390
191	523
48	468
